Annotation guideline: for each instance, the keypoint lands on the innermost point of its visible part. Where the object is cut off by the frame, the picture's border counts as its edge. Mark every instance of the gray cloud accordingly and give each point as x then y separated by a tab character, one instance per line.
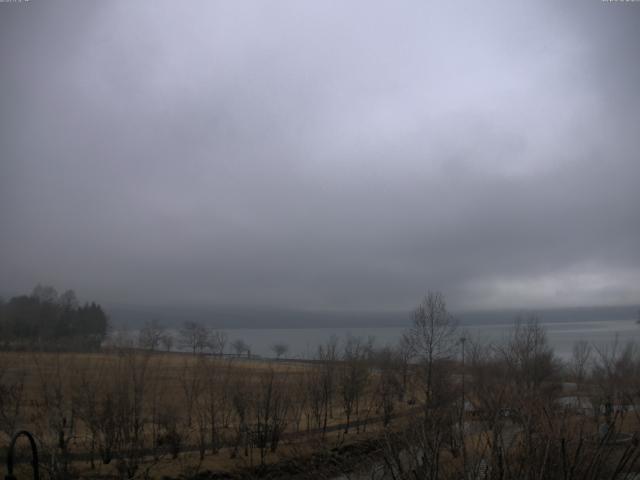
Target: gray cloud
321	154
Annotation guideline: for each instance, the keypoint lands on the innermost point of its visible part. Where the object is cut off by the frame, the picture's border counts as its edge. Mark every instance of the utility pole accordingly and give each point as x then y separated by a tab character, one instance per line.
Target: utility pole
462	408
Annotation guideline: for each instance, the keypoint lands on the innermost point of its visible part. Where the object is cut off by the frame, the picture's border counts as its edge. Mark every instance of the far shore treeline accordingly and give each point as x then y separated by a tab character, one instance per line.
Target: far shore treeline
48	320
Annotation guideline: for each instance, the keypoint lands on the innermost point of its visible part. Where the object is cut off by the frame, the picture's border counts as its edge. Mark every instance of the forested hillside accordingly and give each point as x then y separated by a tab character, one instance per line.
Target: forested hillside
49	320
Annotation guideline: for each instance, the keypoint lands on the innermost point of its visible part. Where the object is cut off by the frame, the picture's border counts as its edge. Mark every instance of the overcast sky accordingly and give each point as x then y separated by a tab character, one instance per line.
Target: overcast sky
322	155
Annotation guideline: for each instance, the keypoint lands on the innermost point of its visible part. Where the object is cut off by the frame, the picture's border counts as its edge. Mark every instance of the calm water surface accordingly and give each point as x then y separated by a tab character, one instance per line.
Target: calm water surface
303	342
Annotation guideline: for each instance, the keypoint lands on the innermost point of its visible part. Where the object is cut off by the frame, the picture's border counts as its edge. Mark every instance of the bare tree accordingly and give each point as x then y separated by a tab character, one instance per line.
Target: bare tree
215	403
528	355
217	342
55	416
86	402
167	341
279	349
353	376
45	293
151	335
388	386
240	347
324	389
131	391
432	338
270	404
581	355
531	372
68	300
492	395
194	336
300	402
240	399
191	383
403	354
12	380
169	437
197	393
616	372
120	340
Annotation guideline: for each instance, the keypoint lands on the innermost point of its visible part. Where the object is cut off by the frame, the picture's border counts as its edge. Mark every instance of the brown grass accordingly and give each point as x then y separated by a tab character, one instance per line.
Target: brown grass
53	382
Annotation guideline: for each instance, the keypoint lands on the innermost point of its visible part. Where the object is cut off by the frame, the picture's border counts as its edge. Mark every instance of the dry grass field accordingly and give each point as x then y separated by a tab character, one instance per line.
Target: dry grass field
131	413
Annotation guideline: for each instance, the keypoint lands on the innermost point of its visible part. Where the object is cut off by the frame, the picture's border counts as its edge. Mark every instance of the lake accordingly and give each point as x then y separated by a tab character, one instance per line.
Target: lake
303	342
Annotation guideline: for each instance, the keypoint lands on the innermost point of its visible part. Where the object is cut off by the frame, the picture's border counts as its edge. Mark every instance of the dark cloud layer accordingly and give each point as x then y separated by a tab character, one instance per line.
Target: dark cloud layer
322	154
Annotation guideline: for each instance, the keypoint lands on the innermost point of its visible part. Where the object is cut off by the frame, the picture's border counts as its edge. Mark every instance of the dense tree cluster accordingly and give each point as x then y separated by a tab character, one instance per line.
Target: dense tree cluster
47	319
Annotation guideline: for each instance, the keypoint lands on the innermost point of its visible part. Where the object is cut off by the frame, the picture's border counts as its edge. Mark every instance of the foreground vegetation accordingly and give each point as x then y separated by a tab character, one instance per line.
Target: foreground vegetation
436	406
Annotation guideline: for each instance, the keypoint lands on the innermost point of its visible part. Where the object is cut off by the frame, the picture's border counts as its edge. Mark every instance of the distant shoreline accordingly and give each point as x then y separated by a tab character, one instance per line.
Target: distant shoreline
271	318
